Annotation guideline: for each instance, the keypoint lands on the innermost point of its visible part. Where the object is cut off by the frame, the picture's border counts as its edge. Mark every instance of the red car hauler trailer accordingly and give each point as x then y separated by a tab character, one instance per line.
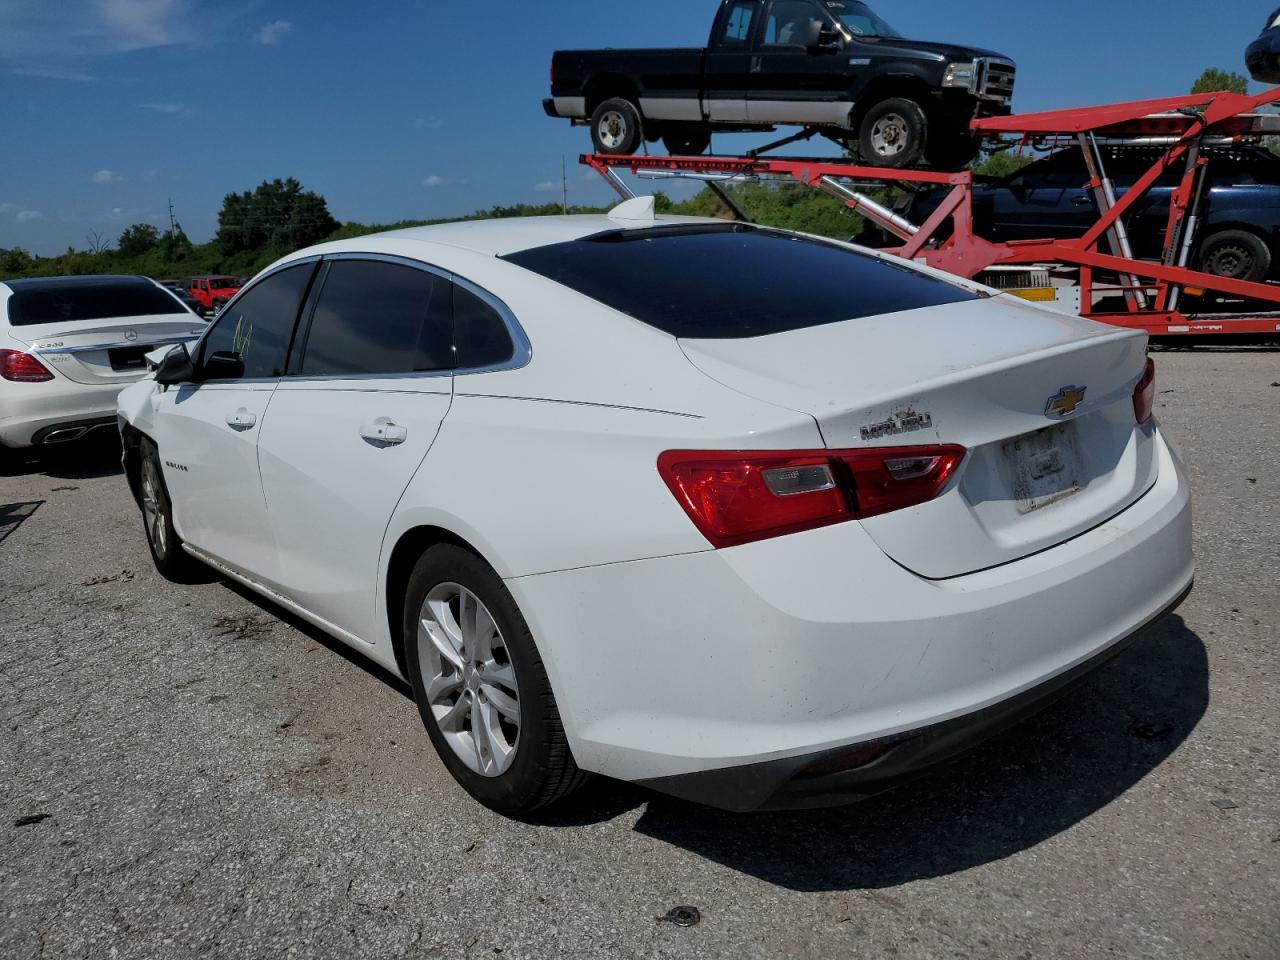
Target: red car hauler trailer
1095	275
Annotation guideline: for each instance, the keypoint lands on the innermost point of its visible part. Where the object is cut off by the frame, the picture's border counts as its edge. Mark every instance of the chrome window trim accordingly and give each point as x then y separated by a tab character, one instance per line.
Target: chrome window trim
522	349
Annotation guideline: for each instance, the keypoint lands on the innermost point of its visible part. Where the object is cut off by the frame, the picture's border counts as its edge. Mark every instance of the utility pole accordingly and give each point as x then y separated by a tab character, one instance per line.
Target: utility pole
173	224
564	186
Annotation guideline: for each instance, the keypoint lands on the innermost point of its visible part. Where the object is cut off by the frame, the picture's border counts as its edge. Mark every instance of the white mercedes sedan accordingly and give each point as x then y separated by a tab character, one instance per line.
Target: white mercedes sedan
69	344
752	518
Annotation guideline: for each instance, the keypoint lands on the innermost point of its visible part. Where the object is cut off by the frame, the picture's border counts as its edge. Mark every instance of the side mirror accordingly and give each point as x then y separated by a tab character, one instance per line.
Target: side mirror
819	37
223	365
176	367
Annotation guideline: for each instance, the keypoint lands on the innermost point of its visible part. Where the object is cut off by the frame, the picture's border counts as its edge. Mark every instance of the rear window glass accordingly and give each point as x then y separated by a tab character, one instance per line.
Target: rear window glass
72	302
733	281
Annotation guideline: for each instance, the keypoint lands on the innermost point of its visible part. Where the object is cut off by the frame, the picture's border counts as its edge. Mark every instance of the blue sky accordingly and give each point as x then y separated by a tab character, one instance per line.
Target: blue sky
397	109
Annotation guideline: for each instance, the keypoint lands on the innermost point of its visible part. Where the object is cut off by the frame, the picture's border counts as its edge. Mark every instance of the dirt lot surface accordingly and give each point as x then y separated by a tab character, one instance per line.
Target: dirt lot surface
186	771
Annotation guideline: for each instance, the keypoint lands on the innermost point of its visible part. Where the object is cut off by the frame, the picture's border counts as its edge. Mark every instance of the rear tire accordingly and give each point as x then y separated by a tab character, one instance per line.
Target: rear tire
687	140
481	687
616	127
893	134
173	563
950	150
1237	255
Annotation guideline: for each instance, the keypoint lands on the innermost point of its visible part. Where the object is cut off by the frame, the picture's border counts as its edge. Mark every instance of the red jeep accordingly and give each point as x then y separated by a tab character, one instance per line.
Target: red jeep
212	293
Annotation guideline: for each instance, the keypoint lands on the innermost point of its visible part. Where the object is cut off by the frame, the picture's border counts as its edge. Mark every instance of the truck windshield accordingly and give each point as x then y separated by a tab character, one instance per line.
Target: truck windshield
860	20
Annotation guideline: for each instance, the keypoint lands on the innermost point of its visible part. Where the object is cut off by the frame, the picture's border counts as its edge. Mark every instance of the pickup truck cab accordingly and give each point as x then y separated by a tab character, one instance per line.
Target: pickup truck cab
212	293
833	65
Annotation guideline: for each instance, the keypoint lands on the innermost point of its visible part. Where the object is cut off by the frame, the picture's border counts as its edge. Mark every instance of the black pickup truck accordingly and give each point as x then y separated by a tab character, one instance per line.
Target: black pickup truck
834	65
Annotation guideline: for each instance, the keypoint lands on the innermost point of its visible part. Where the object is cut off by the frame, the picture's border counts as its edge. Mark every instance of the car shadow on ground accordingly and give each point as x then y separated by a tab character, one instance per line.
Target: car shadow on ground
1008	795
88	459
12	516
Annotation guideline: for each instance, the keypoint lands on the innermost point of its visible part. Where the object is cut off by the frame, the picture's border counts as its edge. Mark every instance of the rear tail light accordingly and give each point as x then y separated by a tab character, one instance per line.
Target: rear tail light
1144	398
736	497
22	367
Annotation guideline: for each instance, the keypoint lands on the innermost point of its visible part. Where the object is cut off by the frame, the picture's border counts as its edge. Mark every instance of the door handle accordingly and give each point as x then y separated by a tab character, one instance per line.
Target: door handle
756	64
383	433
1083	201
242	419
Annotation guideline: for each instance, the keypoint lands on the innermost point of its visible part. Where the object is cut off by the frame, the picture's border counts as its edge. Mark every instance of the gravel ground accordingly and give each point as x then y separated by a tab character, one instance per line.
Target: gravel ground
188	771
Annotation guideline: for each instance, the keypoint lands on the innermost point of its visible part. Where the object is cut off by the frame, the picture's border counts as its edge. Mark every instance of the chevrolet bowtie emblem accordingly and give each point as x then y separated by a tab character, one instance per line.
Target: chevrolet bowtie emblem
1064	403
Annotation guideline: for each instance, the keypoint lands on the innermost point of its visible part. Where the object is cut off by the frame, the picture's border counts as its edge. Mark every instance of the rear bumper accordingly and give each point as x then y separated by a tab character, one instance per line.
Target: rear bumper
721	675
787	784
32	413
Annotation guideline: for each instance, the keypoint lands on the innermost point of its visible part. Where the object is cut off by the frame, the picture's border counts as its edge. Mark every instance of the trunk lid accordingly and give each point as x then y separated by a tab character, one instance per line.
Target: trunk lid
106	351
983	375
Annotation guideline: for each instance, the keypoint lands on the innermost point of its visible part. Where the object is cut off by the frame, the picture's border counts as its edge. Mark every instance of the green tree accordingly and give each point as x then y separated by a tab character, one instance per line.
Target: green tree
138	240
1214	80
15	262
1001	163
278	217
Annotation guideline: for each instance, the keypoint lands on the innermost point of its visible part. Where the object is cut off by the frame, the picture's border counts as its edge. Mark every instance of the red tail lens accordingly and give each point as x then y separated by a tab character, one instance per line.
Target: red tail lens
889	480
740	497
22	367
1144	398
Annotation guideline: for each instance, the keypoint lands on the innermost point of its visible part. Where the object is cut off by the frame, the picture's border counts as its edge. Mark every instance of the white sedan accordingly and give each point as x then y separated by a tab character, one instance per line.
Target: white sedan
69	344
750	517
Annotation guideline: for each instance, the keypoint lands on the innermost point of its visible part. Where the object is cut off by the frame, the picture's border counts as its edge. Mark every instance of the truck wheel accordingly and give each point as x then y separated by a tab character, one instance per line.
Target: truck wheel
1236	254
687	140
951	150
616	127
893	134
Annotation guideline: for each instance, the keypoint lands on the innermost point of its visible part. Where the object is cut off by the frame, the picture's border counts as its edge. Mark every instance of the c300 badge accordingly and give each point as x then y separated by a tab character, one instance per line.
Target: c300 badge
907	421
1065	402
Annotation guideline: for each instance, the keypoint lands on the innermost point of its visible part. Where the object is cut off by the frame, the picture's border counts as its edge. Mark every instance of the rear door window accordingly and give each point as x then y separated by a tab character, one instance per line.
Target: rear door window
482	337
258	327
734	281
374	317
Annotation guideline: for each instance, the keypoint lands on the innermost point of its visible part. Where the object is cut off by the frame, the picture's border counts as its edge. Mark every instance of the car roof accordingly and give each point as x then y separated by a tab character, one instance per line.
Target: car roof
508	235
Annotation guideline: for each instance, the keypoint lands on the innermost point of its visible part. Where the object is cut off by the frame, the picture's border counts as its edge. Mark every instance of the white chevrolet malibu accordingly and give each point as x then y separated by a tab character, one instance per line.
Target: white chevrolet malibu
749	517
68	345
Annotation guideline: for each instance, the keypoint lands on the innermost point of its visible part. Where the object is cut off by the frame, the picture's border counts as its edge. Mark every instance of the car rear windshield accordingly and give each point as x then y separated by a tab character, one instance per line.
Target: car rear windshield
43	302
733	281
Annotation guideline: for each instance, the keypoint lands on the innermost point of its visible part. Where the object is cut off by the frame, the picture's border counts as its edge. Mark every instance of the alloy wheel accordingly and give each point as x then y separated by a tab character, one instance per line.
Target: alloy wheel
153	508
469	679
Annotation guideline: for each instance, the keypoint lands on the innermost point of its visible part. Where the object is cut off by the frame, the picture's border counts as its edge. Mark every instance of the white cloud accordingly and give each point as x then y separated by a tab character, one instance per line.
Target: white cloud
272	33
36	34
6	207
27	216
434	181
428	123
170	108
103	176
546	186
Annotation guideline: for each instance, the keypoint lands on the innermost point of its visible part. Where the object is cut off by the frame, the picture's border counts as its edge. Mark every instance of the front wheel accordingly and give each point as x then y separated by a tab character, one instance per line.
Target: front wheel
1237	255
173	563
893	134
481	686
616	127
